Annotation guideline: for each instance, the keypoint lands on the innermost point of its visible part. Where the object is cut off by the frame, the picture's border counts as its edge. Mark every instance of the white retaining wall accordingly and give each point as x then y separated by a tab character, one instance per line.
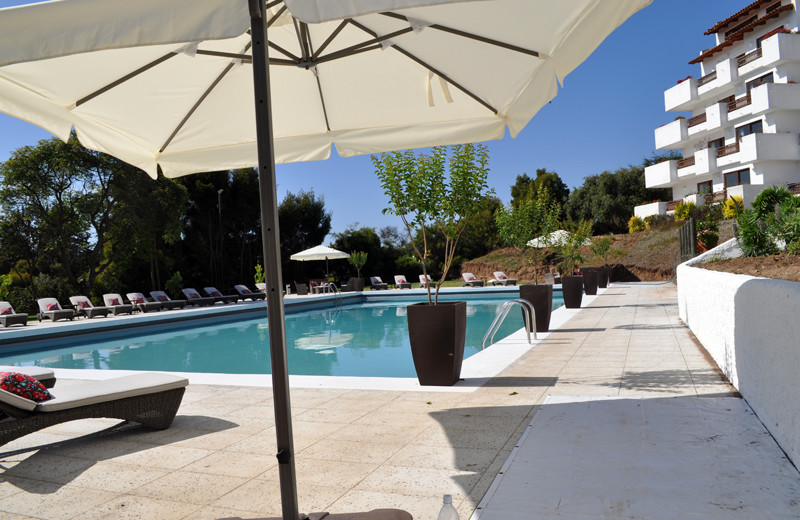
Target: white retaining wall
751	327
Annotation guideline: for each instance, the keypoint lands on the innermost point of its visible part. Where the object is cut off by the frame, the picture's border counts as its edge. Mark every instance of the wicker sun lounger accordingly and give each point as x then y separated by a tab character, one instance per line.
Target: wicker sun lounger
83	307
193	298
116	304
50	308
141	304
150	399
246	294
218	296
8	317
166	302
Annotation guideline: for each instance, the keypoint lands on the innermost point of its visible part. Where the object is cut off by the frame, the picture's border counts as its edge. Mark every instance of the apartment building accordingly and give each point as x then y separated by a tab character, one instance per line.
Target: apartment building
744	131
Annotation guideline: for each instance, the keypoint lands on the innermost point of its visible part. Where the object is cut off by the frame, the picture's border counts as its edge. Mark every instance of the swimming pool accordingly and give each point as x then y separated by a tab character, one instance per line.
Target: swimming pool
364	340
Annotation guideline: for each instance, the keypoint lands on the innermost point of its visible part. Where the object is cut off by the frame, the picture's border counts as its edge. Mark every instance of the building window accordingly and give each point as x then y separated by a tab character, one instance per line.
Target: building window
740	25
737	178
728	99
756	127
773	7
717	143
763	80
704	188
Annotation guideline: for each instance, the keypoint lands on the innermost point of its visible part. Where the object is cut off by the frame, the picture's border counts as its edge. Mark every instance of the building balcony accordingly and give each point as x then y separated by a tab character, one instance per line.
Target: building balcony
686	166
770	97
661	175
673	135
652	208
705	161
776	49
721	78
760	147
682	96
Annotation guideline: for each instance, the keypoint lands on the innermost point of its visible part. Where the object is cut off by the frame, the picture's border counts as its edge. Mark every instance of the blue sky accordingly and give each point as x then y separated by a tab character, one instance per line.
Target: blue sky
602	119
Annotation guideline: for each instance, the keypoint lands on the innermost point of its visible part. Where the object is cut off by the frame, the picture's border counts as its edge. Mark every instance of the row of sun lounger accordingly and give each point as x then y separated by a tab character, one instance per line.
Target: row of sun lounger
470	280
114	304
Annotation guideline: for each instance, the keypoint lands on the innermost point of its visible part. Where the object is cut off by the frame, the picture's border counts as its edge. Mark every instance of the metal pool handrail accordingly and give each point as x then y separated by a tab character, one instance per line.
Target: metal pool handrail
528	315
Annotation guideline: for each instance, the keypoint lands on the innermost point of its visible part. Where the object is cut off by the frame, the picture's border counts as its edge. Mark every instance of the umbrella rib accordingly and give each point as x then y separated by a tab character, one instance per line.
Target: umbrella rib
283	51
299	31
277	15
431	68
330	38
472	36
246	58
125	78
353	49
310	47
198	103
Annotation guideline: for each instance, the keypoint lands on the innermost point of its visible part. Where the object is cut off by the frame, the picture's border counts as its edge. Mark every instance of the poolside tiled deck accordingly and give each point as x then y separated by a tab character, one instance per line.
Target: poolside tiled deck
358	450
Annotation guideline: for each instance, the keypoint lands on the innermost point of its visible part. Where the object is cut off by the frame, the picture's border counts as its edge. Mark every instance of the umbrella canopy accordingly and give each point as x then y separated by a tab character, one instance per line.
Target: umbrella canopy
319	253
556	238
168	84
183	86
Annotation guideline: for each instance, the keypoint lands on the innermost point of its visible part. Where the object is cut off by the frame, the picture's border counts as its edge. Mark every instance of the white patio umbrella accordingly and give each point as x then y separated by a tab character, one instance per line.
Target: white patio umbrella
319	253
171	85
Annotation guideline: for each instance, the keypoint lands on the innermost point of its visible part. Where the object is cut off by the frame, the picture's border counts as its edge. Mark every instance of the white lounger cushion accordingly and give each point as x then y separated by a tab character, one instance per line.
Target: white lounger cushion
92	392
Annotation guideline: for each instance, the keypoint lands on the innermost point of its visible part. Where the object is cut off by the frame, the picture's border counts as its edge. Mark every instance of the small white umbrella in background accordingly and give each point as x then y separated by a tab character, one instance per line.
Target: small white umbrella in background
556	238
184	86
319	253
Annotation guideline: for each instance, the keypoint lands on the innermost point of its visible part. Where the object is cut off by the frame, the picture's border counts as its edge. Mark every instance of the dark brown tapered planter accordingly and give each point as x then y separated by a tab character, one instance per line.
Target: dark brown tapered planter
602	281
572	288
541	297
590	277
437	334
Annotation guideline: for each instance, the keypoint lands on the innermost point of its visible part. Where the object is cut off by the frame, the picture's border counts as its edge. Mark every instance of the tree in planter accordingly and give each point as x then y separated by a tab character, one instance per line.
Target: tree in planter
422	194
568	249
528	219
518	225
601	248
358	259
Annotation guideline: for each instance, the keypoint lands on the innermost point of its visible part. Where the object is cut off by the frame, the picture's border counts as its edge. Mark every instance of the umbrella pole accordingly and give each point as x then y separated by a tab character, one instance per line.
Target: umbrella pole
272	261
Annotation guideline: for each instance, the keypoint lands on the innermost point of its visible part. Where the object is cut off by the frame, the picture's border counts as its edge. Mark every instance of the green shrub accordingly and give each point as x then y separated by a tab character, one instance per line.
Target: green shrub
174	285
770	198
732	207
635	224
658	221
684	210
259	277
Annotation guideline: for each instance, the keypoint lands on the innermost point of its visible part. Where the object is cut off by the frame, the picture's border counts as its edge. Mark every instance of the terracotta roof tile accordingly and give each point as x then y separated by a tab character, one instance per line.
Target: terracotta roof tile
739	35
752	7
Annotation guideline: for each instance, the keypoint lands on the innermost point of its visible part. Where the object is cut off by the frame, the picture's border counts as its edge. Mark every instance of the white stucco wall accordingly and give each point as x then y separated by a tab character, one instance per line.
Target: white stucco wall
751	327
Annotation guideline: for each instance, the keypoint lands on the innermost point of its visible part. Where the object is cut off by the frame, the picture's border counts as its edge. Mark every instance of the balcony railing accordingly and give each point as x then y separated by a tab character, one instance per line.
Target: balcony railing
671	205
688	161
708	78
744	59
794	187
696	120
736	104
722	151
719	196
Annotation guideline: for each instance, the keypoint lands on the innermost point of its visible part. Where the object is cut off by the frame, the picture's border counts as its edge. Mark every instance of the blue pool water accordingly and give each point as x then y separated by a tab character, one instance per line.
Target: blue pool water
368	339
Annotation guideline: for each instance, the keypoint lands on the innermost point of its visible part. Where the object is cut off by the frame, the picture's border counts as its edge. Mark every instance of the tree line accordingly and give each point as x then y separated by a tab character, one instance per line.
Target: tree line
74	221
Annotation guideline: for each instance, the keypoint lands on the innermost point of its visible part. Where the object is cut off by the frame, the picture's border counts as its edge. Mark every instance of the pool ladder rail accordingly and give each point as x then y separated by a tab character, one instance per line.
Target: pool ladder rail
330	288
528	315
